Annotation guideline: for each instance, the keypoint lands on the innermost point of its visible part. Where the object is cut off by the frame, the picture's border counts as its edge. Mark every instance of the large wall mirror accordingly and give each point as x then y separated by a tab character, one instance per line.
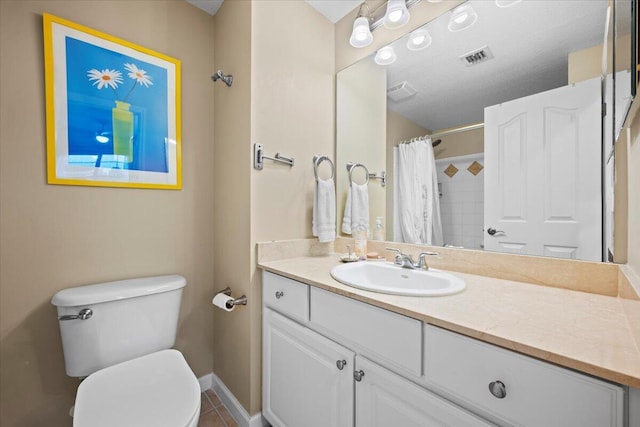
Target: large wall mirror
512	108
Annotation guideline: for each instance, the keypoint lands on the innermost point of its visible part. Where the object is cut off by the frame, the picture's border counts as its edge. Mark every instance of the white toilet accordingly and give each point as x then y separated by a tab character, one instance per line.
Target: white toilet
118	335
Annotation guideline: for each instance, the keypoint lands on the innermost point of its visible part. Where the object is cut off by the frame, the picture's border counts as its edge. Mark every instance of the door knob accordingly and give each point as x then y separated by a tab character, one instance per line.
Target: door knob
498	389
358	375
492	231
341	364
279	294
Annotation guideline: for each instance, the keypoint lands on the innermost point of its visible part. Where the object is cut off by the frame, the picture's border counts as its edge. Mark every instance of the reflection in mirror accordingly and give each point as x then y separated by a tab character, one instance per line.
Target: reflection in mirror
516	101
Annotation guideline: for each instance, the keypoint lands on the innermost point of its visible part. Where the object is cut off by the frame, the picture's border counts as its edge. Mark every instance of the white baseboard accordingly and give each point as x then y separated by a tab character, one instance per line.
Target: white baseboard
237	411
206	382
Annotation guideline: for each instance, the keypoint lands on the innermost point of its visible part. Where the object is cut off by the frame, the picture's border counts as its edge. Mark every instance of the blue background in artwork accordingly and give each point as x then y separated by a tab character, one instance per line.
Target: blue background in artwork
89	109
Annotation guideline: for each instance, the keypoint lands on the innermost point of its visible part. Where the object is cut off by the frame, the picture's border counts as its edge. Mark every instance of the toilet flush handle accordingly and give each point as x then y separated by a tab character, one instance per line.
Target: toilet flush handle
84	314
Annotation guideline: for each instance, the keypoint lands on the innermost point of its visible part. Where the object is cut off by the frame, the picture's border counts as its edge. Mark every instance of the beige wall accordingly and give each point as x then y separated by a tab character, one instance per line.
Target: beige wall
53	237
231	185
361	108
283	98
460	143
586	64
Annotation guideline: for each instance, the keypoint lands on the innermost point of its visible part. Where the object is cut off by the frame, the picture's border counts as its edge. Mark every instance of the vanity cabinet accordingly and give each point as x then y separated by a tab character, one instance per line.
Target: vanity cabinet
329	360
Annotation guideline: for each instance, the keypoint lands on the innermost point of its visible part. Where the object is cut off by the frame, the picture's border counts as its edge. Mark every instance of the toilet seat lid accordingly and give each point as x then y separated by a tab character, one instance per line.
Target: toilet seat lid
158	389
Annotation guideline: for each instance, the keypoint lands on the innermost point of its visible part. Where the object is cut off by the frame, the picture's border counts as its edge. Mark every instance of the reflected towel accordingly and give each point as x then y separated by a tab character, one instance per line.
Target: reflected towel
356	209
323	225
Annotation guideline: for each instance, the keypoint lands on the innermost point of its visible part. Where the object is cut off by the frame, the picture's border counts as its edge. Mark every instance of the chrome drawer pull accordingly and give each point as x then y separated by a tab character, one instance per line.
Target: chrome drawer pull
358	375
279	294
498	389
341	364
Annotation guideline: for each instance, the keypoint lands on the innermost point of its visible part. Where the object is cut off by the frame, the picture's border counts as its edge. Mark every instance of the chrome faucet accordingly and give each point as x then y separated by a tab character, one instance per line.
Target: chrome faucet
405	261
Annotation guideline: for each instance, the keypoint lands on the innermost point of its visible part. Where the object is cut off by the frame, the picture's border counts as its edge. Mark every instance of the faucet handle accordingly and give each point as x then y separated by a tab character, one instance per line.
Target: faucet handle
398	258
422	261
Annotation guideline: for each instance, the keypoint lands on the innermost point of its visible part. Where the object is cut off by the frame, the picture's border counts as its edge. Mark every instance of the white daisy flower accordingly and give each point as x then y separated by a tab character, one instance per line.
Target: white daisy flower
138	75
105	78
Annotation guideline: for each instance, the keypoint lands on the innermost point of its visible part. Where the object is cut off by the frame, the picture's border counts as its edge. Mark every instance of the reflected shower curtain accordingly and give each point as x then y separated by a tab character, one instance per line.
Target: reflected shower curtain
418	199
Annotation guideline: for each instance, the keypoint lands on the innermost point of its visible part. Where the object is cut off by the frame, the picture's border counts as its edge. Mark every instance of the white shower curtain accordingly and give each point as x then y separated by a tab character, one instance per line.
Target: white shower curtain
418	199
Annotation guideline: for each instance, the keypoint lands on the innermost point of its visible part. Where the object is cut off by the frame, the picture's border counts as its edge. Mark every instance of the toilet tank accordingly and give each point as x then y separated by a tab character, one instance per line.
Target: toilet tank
130	318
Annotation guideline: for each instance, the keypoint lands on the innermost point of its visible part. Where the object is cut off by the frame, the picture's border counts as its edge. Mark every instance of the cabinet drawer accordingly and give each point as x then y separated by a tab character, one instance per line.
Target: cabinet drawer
287	296
537	393
380	334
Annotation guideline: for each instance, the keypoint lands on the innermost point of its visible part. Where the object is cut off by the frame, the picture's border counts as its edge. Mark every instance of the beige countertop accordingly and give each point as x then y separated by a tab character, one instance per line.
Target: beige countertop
587	332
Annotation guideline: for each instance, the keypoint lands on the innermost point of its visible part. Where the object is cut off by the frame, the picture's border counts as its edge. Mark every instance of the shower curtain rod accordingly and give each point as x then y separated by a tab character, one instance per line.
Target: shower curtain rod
458	129
444	133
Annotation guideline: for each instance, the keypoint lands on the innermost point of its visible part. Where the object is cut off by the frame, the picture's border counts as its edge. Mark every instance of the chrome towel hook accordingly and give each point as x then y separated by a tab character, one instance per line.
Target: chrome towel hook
228	79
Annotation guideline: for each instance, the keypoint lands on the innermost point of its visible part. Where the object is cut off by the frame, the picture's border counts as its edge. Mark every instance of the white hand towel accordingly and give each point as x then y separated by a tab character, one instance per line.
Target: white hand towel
356	209
323	225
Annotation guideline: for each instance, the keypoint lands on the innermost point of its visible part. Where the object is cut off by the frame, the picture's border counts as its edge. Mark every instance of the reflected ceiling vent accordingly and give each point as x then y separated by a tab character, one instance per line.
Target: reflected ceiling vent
477	56
400	92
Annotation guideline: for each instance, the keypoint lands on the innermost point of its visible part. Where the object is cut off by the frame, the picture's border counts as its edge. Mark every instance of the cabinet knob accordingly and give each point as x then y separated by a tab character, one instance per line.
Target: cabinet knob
279	294
358	375
341	364
498	389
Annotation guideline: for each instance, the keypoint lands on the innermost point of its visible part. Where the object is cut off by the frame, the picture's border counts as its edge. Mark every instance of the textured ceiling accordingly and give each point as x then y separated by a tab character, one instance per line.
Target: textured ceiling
530	42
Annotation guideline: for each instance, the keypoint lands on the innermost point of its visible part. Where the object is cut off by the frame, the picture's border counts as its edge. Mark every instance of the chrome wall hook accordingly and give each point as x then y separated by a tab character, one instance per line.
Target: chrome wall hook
228	79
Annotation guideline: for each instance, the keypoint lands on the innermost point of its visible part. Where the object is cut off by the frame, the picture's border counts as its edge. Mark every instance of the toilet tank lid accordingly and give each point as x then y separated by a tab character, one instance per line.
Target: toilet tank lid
118	290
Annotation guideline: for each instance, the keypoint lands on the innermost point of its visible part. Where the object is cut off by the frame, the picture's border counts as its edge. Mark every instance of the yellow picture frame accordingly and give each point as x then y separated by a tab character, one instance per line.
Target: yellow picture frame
113	110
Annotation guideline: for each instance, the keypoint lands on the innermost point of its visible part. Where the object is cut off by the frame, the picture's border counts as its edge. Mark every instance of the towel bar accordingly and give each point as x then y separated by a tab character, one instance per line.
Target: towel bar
258	158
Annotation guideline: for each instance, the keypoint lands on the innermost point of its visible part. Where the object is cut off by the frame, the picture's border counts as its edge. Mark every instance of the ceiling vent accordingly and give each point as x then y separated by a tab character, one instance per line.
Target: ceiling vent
400	92
477	56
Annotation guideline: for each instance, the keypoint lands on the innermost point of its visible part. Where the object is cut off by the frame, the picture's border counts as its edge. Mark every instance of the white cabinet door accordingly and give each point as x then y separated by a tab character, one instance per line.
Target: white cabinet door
302	384
542	174
385	399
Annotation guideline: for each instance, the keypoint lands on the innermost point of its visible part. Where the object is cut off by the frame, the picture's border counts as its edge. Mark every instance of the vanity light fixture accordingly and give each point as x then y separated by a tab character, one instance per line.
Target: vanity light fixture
507	3
397	14
462	17
419	39
385	56
361	35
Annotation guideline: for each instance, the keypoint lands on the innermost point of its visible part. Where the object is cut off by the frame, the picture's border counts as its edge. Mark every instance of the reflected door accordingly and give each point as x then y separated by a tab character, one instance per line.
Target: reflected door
543	174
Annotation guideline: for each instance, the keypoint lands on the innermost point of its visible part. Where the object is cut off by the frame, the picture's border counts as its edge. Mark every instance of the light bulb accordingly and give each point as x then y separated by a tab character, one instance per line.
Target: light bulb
396	15
419	39
361	35
462	17
385	56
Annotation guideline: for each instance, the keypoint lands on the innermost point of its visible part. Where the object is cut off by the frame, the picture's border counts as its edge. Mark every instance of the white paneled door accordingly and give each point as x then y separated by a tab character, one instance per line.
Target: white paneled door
543	174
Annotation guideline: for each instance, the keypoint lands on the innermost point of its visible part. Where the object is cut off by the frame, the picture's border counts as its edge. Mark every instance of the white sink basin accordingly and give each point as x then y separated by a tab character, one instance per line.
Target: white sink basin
387	278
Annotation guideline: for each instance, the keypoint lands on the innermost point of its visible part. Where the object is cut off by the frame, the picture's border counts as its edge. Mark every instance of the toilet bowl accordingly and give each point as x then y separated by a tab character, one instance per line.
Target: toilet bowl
155	390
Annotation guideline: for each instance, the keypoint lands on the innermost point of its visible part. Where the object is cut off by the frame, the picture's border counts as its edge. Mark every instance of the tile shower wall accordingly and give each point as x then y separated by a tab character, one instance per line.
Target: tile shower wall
462	200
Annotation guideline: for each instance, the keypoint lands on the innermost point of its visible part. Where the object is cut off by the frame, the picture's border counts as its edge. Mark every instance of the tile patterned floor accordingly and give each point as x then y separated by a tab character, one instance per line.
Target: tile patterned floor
213	413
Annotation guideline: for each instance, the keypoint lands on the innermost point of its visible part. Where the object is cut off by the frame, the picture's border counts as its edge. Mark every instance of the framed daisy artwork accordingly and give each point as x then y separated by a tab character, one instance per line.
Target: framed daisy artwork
113	110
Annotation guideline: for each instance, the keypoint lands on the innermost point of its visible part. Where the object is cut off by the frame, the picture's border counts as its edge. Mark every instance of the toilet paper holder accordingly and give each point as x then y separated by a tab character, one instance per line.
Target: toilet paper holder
236	301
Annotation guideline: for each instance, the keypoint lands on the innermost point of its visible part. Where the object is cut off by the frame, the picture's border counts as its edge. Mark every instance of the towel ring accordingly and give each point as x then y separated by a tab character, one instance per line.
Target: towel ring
351	166
317	159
